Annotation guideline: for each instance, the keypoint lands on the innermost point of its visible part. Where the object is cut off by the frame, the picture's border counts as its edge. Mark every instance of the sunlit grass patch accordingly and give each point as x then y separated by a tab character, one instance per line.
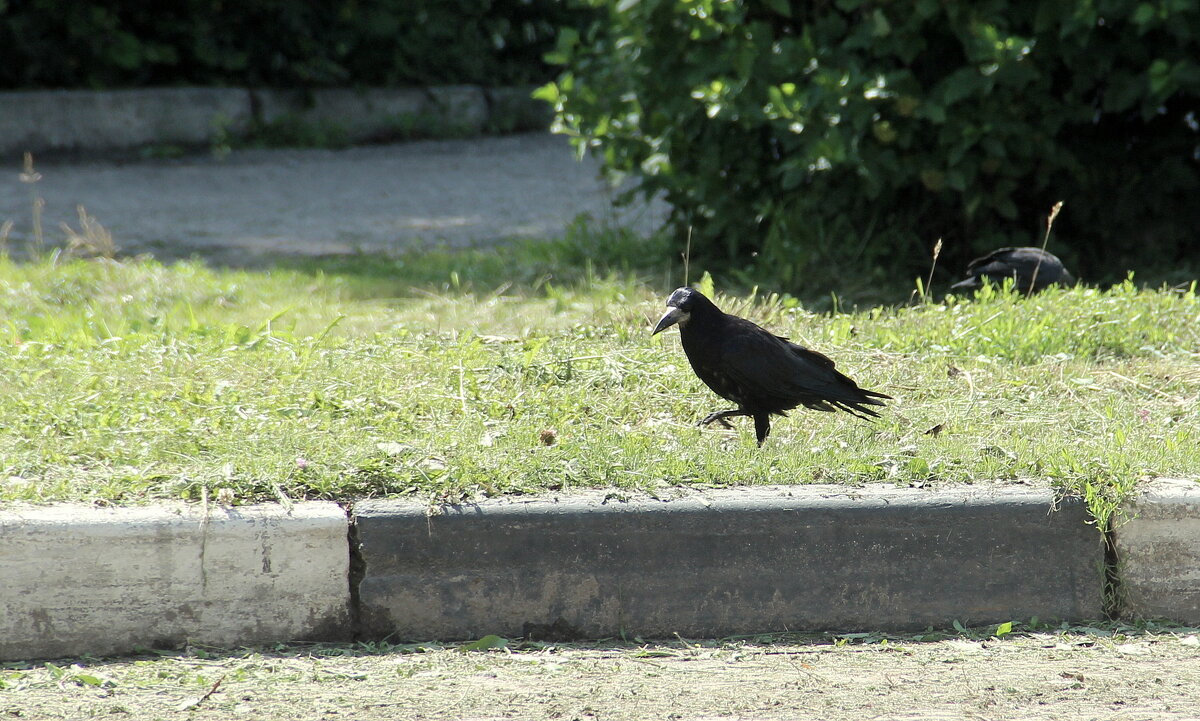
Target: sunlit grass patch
129	382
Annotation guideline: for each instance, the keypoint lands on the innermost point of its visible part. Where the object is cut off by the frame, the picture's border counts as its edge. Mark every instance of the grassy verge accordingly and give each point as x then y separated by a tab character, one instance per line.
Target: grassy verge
451	376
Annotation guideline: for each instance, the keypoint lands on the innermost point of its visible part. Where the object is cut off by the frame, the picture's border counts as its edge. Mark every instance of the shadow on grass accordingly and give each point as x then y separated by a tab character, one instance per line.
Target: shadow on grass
587	251
585	255
582	255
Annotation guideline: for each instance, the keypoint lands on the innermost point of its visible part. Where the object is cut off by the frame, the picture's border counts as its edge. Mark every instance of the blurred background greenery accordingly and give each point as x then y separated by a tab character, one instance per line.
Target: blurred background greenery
815	147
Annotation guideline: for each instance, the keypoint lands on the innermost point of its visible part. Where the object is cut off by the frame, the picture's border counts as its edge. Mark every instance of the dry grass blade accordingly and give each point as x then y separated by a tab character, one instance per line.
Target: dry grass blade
687	256
1054	211
92	240
31	177
5	230
937	252
195	703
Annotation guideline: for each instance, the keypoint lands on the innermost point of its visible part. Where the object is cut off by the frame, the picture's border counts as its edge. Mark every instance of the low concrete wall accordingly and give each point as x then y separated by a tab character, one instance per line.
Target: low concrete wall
73	120
1157	538
727	562
362	115
85	580
118	120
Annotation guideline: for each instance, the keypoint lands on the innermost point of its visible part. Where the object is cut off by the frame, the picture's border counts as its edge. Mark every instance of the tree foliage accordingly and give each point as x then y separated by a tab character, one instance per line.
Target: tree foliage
123	43
815	139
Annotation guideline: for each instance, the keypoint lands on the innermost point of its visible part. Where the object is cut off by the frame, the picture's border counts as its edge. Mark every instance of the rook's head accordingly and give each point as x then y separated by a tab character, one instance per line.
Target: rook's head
680	306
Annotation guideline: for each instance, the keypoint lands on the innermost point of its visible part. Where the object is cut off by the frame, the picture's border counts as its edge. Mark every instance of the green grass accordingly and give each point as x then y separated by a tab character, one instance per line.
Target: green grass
452	375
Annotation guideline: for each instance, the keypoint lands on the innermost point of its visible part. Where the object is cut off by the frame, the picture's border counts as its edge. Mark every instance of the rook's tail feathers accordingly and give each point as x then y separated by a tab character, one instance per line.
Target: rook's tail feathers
856	407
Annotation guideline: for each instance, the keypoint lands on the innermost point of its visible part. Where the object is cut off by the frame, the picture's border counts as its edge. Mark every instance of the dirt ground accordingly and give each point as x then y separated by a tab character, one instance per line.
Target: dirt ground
1039	676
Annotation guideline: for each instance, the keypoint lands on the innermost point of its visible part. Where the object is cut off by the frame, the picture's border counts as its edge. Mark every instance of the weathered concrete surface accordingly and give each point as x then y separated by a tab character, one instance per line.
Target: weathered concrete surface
510	109
357	113
82	120
371	113
80	580
86	121
1158	552
463	108
727	562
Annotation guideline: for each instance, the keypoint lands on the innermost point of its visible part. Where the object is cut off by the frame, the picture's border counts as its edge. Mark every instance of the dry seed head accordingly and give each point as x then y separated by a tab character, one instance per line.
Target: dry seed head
1053	214
29	175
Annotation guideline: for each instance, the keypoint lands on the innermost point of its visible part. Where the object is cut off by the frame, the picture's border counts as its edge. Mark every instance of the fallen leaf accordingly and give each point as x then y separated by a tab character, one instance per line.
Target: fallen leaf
392	448
1133	649
485	643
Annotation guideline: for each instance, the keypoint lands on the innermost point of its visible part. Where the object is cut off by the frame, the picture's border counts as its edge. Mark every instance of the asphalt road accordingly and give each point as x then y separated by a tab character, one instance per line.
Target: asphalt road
256	204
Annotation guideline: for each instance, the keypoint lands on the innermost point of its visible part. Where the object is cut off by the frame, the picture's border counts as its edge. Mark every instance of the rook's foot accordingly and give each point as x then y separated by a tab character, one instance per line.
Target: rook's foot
719	417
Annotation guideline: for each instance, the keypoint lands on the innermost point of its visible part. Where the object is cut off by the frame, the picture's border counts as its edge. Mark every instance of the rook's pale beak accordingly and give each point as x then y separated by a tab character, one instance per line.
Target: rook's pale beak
670	318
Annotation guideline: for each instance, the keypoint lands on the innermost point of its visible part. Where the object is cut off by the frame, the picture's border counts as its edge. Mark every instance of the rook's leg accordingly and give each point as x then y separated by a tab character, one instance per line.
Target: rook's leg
762	426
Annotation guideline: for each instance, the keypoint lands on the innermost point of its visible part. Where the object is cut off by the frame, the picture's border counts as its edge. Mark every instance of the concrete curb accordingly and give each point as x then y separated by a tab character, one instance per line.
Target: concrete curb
736	561
81	580
84	580
62	121
1157	541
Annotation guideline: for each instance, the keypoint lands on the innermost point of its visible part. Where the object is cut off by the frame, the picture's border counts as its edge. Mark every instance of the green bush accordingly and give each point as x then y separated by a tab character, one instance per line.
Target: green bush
127	43
819	141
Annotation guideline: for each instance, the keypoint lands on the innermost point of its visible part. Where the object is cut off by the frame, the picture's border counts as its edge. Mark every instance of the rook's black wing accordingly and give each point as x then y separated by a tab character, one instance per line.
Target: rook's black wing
774	375
1020	264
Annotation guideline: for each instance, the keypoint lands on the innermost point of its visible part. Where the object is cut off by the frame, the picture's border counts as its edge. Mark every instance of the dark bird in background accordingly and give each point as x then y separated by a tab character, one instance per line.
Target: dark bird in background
1032	269
759	371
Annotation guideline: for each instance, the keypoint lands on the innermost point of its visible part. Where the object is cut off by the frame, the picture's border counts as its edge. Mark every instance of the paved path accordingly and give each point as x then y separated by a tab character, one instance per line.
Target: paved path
259	203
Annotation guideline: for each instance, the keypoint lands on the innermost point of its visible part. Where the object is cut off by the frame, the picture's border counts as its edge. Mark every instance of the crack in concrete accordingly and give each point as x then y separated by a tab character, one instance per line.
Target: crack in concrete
356	573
